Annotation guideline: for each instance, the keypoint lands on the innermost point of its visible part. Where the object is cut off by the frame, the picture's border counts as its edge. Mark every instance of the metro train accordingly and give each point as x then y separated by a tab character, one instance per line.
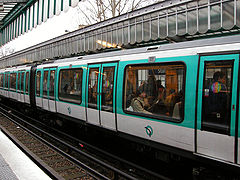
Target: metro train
182	97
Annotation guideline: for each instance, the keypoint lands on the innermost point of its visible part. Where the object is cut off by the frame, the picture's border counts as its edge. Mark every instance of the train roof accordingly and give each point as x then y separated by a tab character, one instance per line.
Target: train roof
213	45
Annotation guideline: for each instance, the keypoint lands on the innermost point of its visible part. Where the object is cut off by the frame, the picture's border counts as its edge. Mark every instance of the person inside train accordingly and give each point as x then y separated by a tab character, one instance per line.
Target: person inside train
217	100
140	103
158	106
170	101
129	89
178	107
64	83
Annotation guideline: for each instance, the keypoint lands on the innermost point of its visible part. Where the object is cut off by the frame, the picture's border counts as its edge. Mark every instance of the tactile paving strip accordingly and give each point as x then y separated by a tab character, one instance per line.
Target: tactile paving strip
5	171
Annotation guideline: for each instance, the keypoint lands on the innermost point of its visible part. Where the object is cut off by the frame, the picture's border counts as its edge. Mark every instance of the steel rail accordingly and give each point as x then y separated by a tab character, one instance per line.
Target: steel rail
92	171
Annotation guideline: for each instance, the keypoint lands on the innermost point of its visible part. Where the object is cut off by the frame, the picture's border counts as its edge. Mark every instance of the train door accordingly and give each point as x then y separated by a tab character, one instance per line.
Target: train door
216	108
52	90
101	96
20	86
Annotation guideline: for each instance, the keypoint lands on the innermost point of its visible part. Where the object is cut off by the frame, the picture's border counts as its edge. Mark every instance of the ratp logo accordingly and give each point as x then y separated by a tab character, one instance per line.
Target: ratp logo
69	110
149	131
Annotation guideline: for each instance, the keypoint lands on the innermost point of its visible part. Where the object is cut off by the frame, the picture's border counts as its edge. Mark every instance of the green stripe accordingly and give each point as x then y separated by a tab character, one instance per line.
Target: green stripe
29	15
37	12
33	15
22	24
61	5
25	24
48	8
42	9
54	7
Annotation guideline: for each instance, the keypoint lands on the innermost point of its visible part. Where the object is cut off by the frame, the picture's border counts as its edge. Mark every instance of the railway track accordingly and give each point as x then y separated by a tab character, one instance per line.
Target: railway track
62	156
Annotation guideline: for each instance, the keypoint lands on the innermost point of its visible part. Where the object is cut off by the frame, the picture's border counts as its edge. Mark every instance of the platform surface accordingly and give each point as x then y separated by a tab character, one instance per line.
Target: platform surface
15	165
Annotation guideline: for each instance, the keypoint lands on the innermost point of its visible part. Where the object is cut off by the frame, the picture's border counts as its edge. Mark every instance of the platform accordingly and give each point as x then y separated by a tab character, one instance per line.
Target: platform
15	165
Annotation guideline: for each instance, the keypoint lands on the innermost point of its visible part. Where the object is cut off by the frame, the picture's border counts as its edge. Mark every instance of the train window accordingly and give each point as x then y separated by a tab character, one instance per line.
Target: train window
27	82
155	90
52	84
217	95
38	83
6	80
93	87
70	85
107	88
13	81
45	83
19	81
1	80
22	82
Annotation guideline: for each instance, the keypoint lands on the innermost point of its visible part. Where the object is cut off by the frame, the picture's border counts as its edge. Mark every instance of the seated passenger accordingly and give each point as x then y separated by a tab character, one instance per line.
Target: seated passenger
140	103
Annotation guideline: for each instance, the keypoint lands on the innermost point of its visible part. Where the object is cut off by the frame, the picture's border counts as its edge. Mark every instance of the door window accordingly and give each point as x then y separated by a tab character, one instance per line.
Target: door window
19	81
217	93
52	84
93	87
27	82
45	83
22	82
107	88
13	77
38	83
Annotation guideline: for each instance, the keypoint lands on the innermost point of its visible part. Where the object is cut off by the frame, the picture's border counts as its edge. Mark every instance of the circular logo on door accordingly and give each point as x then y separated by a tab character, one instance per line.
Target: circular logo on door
69	110
149	131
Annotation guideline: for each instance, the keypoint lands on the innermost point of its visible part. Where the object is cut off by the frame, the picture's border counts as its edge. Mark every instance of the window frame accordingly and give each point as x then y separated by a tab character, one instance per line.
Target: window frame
214	127
153	116
81	86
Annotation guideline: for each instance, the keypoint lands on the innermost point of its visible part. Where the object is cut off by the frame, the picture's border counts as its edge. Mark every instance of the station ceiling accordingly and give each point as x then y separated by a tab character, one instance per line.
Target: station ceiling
8	8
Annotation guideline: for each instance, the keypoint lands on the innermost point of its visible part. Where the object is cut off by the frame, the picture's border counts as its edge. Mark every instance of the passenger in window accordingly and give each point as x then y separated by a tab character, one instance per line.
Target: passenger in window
130	93
170	102
151	87
178	107
64	83
218	96
158	106
140	103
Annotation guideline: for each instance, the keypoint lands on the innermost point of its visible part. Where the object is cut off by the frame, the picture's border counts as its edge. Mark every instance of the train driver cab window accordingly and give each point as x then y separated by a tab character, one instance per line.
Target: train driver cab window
155	90
70	85
13	81
216	110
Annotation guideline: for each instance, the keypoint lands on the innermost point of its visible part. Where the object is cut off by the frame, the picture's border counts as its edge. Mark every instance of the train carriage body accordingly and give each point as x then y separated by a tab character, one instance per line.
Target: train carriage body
183	96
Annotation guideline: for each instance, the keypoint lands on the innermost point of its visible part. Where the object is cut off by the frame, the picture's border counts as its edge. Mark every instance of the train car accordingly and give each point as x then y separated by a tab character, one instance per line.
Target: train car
15	83
181	97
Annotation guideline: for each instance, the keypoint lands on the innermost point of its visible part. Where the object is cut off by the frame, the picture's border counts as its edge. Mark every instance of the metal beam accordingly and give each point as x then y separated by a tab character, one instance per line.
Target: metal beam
14	1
